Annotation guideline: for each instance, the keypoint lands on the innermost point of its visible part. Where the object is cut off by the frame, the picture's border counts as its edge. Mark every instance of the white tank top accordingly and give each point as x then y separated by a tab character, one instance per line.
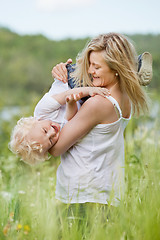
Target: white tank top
93	169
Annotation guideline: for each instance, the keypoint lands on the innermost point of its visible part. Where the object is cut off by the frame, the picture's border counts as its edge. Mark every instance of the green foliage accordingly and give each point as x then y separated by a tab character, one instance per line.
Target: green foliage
26	63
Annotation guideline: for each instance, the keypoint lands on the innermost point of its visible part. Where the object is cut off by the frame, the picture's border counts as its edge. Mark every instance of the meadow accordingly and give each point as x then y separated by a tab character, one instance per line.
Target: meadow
29	210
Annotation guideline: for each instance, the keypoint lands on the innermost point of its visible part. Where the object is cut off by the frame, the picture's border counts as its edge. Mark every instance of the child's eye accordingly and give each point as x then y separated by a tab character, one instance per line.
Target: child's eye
45	130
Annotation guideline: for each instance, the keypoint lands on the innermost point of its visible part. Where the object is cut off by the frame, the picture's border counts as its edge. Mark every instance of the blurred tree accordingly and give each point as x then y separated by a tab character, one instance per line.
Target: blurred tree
26	62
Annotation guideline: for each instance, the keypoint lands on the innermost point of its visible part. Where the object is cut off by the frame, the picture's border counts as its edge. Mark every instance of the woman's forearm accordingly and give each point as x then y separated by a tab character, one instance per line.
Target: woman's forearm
61	97
79	125
87	91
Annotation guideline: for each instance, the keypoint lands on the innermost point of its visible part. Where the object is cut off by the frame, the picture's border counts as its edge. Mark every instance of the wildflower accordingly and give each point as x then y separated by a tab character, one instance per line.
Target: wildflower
19	227
6	195
11	216
6	228
32	205
51	179
26	229
21	192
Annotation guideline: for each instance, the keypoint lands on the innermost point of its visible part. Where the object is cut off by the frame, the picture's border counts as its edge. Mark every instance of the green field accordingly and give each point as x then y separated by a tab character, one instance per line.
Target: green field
28	208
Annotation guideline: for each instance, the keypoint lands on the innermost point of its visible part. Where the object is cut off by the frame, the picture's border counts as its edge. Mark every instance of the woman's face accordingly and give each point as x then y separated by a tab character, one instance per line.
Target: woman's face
101	74
45	132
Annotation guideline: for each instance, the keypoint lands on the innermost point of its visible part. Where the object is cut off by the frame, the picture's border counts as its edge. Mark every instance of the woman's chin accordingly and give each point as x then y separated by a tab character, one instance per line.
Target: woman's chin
97	84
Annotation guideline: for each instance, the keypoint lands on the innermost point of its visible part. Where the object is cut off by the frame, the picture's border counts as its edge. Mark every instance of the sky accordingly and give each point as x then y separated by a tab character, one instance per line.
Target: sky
61	19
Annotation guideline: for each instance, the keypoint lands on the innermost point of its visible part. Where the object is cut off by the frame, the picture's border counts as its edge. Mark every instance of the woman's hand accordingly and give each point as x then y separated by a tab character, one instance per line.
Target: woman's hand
60	71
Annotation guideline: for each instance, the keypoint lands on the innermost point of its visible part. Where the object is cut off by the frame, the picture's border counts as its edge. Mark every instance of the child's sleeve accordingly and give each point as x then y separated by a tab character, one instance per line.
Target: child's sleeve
47	108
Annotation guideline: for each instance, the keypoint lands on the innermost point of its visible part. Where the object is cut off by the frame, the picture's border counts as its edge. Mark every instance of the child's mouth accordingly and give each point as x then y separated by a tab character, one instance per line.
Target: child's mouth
55	128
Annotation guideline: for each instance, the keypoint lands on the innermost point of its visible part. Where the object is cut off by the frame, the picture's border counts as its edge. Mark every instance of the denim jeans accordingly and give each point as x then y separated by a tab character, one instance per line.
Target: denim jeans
71	82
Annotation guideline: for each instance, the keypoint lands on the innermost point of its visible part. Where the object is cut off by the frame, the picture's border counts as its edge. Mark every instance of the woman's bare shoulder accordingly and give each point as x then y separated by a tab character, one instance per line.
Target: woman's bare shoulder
101	108
98	102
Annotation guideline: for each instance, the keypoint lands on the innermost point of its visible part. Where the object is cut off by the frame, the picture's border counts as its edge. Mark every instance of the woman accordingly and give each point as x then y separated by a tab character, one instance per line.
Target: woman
91	144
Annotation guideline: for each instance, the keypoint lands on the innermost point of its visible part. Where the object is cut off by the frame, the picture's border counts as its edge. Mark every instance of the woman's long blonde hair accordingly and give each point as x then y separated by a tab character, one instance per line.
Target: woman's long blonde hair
120	55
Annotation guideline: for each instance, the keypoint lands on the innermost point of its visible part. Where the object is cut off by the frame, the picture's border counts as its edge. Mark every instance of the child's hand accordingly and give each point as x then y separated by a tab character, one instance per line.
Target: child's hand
72	98
60	71
98	91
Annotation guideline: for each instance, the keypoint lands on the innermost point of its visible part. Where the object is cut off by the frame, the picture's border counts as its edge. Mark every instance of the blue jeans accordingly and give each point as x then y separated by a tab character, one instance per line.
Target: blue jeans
71	82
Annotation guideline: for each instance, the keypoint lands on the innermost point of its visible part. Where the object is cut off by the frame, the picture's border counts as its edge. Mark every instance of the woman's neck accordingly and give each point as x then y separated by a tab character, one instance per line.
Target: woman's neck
112	87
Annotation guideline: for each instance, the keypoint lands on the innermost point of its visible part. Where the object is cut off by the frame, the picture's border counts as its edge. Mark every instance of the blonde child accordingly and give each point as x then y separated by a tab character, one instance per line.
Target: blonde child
32	137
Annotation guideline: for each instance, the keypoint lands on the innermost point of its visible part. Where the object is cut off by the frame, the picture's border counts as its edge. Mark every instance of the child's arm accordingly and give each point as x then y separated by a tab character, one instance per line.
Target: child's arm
71	105
71	100
48	107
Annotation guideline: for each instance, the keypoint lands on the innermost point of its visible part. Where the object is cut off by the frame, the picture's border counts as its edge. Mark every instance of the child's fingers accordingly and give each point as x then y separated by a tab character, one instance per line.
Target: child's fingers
79	96
67	99
70	98
74	97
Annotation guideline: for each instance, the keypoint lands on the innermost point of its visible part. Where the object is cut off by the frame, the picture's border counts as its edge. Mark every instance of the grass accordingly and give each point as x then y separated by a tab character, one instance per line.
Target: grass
28	209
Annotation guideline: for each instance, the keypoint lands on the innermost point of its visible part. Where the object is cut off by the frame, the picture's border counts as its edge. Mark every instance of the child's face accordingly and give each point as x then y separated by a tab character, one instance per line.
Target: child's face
46	133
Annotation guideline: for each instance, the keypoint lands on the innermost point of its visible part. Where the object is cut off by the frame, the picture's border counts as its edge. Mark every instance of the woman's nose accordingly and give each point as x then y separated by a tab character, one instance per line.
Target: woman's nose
90	70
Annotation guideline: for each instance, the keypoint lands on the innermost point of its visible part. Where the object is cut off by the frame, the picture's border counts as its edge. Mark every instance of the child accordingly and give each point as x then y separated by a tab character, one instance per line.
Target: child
32	137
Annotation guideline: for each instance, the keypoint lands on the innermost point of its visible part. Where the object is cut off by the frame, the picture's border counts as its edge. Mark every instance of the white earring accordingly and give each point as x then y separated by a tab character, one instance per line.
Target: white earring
116	74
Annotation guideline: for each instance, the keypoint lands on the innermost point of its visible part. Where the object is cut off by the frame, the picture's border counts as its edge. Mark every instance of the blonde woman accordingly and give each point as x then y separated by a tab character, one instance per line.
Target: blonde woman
91	144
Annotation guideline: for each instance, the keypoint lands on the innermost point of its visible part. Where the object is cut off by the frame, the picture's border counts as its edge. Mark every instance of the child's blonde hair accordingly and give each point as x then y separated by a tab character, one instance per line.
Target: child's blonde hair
121	57
29	151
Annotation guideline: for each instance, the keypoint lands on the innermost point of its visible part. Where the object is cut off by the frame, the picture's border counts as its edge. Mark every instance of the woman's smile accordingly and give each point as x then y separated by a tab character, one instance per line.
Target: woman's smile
101	74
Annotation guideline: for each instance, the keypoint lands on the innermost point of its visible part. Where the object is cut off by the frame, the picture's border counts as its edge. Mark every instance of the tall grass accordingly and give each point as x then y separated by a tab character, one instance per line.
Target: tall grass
28	209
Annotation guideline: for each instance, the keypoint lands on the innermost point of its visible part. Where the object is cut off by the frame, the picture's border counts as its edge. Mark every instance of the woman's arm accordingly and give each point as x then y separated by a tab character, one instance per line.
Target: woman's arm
87	91
90	114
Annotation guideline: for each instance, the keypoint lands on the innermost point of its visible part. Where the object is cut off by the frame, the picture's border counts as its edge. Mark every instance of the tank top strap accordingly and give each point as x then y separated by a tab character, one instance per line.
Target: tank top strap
116	106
